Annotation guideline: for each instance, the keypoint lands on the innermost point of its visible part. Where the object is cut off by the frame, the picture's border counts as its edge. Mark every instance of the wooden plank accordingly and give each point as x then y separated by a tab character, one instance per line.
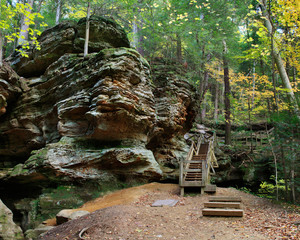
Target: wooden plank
222	212
225	199
210	188
222	205
200	156
192	170
192	184
191	161
181	173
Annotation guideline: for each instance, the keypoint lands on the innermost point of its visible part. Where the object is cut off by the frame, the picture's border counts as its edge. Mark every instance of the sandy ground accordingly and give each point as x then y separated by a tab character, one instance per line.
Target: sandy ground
127	214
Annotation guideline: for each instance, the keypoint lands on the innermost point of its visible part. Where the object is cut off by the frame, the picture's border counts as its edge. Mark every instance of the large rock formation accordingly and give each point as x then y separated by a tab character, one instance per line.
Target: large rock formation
8	229
175	110
99	118
106	97
68	37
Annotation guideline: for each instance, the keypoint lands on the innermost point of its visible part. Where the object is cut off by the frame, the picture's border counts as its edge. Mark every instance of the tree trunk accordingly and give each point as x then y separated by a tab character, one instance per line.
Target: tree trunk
205	88
273	76
136	29
253	85
1	49
216	102
293	184
135	34
87	30
178	49
279	62
284	174
23	37
275	161
58	12
226	97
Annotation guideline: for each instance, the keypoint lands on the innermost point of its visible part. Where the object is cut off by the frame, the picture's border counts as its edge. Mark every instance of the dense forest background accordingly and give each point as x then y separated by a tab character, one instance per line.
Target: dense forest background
243	56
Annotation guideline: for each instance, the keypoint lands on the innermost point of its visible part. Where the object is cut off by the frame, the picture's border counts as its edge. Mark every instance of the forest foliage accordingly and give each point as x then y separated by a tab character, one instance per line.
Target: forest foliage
243	56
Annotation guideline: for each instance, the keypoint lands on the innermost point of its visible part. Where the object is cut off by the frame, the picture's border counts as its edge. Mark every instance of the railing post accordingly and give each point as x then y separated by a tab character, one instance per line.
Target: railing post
181	173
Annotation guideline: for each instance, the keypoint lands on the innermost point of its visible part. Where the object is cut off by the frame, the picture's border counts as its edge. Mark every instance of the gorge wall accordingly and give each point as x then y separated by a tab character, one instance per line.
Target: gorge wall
73	121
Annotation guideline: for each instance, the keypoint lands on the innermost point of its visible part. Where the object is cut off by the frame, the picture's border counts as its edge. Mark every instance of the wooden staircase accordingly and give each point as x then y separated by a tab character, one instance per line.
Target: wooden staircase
223	206
195	170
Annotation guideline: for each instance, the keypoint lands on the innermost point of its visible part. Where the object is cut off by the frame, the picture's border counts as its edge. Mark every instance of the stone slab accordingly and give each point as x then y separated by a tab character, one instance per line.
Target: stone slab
166	202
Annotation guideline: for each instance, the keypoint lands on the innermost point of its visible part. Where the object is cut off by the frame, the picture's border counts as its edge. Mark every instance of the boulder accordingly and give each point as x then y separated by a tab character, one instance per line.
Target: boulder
68	37
63	216
78	214
8	229
69	214
37	232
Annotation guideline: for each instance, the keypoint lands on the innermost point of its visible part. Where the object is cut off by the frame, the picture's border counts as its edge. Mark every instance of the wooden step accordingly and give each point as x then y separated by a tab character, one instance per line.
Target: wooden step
222	205
225	199
210	188
193	177
195	166
222	212
199	157
192	170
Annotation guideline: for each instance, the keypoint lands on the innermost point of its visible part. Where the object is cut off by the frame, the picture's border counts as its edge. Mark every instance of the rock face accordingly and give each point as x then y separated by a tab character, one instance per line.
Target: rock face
68	38
175	109
99	118
71	159
105	97
8	229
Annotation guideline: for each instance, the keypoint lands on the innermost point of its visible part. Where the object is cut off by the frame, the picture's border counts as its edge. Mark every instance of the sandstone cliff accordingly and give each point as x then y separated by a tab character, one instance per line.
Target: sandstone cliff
69	119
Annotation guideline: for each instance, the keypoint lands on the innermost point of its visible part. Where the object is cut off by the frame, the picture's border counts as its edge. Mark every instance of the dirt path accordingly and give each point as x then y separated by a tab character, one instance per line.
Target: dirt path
134	218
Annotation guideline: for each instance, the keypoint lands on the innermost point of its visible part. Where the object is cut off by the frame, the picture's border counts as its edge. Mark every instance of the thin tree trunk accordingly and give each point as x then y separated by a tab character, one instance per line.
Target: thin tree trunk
87	30
222	91
293	183
135	35
279	62
226	97
205	88
23	37
179	49
1	49
253	85
275	162
293	166
216	103
284	173
58	12
136	28
250	125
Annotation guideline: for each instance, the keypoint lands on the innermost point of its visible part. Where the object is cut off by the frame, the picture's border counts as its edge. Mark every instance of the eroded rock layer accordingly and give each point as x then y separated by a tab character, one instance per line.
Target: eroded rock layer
175	109
99	119
68	37
106	97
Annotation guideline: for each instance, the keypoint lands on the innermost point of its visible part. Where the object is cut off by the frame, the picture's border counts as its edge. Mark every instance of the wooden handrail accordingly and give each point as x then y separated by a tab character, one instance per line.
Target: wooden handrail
199	144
